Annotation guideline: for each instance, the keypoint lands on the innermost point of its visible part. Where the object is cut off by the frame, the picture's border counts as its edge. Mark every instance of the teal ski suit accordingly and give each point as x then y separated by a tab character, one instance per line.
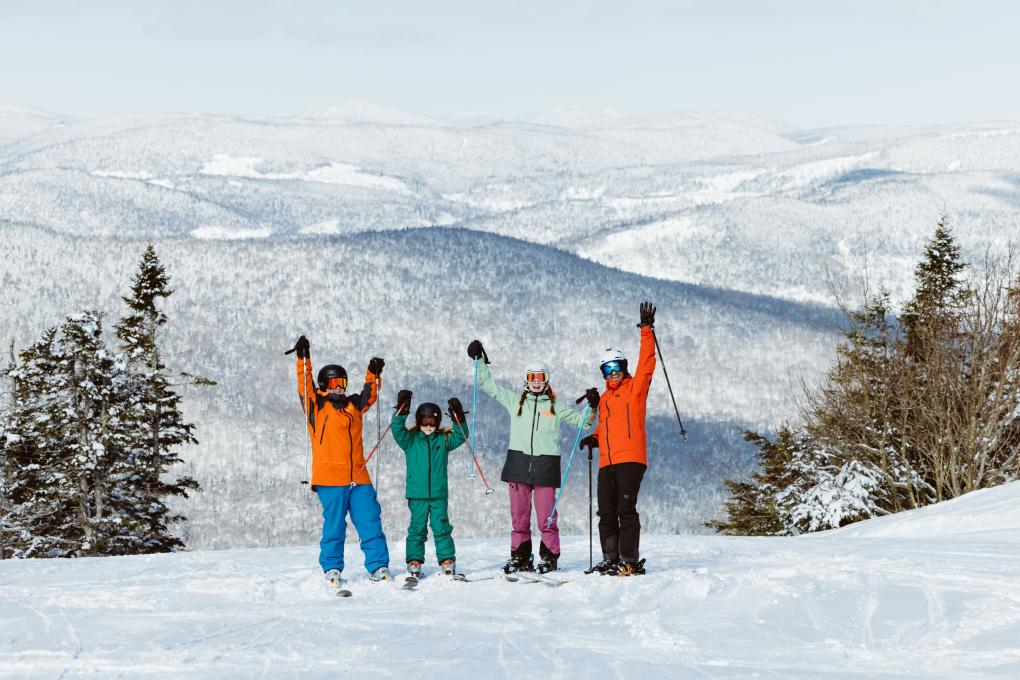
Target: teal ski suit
427	487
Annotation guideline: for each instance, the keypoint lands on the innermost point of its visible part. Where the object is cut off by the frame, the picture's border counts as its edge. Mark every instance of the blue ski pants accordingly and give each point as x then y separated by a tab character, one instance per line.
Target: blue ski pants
361	502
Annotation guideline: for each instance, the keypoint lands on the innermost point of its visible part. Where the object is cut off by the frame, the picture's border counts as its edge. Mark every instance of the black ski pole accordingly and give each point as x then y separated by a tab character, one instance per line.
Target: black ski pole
683	432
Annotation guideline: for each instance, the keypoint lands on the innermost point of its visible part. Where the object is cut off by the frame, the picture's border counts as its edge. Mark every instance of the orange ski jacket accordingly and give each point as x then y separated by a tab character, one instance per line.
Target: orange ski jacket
338	453
621	428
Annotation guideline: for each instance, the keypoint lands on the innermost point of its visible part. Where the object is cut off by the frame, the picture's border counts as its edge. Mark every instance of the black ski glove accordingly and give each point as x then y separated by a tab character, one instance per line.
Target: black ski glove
647	315
456	410
588	442
375	366
303	347
403	402
476	351
592	395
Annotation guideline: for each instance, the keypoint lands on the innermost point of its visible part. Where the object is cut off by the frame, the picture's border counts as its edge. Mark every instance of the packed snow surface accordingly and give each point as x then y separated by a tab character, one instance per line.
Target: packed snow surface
934	593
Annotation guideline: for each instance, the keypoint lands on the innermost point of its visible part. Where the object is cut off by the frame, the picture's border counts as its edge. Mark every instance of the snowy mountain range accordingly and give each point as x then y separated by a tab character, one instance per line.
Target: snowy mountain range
380	232
929	593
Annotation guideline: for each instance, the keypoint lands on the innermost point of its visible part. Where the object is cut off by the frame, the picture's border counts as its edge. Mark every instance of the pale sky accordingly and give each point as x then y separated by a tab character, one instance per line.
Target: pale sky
809	63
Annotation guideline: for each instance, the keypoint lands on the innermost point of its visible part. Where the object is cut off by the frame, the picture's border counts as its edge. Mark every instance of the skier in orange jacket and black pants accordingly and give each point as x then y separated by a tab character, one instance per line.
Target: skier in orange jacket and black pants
623	458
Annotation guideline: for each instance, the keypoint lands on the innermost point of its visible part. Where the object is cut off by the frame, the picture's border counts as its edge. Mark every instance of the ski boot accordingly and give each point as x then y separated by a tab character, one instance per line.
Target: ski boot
547	564
449	567
381	574
517	563
630	569
414	568
606	566
334	584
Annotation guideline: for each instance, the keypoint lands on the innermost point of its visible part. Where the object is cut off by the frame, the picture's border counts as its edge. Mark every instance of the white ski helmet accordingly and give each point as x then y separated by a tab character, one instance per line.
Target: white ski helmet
536	367
612	354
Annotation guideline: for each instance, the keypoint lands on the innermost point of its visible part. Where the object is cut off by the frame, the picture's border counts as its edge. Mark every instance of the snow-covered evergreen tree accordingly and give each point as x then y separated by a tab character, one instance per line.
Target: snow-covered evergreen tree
34	502
916	410
159	427
939	293
67	457
98	458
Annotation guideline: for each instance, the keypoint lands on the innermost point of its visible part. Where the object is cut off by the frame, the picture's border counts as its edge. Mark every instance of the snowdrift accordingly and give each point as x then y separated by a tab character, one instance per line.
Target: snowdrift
983	511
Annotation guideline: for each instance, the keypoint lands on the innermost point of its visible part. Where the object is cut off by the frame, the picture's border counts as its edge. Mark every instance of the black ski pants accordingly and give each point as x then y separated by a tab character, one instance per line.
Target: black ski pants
619	523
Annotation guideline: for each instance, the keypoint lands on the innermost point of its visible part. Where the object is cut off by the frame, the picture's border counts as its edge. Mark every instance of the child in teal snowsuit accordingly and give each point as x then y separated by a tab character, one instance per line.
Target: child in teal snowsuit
427	450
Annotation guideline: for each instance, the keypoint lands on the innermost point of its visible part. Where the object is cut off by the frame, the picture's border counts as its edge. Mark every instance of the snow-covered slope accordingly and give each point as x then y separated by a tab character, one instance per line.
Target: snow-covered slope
924	604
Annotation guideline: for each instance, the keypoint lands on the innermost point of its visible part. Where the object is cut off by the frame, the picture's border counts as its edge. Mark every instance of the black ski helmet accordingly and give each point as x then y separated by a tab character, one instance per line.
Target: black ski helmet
428	410
330	371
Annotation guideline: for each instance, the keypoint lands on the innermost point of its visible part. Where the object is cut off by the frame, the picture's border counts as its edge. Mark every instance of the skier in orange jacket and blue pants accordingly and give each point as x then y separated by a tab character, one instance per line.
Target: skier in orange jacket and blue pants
339	474
623	456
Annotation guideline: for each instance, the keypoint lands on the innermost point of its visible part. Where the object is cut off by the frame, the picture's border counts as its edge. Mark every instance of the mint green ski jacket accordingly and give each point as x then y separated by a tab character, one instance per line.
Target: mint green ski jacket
533	455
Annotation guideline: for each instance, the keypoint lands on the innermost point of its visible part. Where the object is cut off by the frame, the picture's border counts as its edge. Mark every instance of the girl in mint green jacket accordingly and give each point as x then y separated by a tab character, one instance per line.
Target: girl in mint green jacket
532	468
427	451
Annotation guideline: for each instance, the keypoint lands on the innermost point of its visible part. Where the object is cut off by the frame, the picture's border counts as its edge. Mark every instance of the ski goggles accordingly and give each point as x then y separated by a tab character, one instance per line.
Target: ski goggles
336	384
427	421
611	367
540	375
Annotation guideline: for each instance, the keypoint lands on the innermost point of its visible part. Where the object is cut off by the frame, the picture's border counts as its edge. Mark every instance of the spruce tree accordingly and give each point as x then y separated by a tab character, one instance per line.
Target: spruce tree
67	459
752	509
97	458
939	293
34	502
160	428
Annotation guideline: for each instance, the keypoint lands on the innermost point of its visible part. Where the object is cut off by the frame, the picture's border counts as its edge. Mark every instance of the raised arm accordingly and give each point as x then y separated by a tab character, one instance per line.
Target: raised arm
460	426
501	394
401	435
305	384
646	355
369	393
572	416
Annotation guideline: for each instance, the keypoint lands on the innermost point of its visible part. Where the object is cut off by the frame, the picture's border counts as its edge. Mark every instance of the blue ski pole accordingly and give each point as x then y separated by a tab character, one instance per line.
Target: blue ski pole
474	408
573	450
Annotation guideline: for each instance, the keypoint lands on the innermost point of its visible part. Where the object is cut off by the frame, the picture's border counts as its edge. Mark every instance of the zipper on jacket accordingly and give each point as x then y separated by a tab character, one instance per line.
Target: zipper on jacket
350	447
628	420
428	454
534	418
609	453
323	433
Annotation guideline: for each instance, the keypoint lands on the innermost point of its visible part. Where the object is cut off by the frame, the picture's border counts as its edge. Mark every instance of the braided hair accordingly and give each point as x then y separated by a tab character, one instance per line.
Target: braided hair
548	390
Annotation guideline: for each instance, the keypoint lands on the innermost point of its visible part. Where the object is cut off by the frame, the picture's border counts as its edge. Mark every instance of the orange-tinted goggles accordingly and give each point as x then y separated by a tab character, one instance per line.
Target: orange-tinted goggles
336	384
542	375
427	422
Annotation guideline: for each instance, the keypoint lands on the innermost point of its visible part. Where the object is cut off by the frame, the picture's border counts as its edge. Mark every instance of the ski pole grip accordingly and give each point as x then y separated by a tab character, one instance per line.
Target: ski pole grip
580	399
290	351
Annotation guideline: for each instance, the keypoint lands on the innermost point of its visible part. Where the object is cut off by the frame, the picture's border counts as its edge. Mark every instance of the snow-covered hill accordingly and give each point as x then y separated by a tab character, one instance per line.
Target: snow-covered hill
930	601
728	201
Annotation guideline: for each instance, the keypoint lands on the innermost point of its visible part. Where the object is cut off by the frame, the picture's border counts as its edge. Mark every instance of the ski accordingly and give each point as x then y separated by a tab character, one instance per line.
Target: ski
465	579
542	578
516	578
